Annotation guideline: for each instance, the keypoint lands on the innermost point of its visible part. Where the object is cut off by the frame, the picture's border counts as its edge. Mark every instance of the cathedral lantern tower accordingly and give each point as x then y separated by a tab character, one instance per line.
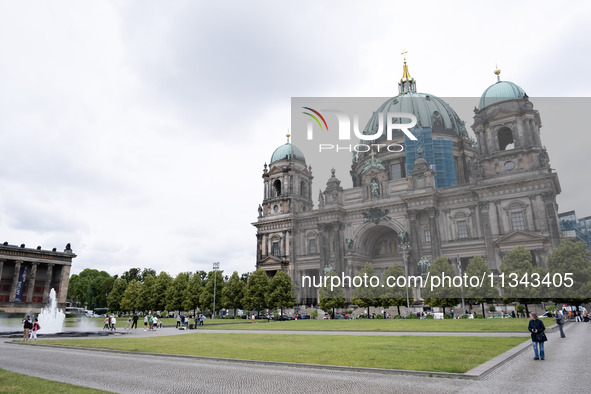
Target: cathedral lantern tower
287	192
507	130
288	182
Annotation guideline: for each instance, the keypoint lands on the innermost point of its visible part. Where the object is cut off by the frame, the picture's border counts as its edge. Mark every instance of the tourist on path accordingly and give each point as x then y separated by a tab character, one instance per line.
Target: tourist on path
134	324
178	321
201	319
560	321
27	325
36	327
538	337
128	326
107	323
145	322
113	321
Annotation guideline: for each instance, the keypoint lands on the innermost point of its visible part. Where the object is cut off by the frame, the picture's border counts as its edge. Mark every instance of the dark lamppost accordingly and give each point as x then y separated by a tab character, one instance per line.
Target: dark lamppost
404	248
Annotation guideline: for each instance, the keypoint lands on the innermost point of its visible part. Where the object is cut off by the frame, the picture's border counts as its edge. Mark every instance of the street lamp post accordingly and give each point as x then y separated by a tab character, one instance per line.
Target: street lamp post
216	266
405	246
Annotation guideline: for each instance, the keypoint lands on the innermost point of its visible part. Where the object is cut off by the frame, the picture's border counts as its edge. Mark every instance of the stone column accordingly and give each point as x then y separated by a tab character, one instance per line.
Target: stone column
415	243
339	248
31	285
64	278
47	287
552	217
520	137
1	268
323	247
485	228
434	230
259	247
499	217
446	226
475	226
17	271
532	204
535	132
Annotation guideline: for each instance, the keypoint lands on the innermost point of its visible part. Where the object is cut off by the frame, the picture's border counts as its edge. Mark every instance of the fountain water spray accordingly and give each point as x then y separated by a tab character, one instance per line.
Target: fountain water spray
51	319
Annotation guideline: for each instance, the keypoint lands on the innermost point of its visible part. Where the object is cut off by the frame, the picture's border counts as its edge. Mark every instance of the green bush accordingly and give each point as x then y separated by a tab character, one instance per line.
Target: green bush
478	316
492	308
229	317
380	316
397	317
411	316
314	314
464	317
447	316
361	317
429	316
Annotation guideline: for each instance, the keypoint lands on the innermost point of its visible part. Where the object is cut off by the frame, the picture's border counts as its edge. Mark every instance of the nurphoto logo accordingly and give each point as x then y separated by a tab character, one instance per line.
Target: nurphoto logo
394	121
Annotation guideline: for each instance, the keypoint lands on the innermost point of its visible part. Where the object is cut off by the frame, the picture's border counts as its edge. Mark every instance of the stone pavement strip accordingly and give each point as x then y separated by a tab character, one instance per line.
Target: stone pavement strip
564	368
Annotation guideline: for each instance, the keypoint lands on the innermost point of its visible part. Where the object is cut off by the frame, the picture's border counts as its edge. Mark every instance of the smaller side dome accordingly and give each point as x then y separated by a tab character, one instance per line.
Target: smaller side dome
287	152
500	91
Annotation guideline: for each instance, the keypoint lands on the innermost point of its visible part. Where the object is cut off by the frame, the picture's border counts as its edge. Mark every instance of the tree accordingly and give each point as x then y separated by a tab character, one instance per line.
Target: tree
391	295
90	288
256	290
233	293
145	297
175	293
146	272
280	288
192	293
130	296
331	297
477	267
441	296
366	295
116	294
215	281
163	282
132	274
570	257
518	270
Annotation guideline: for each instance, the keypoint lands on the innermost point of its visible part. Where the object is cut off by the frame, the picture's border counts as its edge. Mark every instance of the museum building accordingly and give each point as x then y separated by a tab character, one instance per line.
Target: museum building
28	275
454	196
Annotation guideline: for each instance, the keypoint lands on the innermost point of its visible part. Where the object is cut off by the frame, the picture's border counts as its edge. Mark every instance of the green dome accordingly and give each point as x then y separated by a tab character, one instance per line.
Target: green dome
431	112
500	91
287	152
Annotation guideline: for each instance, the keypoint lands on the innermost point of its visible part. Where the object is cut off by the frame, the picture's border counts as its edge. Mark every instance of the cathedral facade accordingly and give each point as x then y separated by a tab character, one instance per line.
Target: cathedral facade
452	195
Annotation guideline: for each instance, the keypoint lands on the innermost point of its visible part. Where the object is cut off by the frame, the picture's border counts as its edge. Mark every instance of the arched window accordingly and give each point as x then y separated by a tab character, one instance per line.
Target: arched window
277	187
506	141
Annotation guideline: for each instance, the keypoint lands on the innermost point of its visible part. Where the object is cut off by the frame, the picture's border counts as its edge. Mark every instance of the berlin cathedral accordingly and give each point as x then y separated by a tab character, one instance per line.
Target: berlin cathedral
452	195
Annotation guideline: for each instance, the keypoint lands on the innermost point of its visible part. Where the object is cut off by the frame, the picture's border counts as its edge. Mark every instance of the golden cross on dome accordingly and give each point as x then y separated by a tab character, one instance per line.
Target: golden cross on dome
404	54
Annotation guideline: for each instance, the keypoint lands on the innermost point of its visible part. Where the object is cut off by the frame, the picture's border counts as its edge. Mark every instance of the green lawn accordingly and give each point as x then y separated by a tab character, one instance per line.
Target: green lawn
438	354
12	382
504	325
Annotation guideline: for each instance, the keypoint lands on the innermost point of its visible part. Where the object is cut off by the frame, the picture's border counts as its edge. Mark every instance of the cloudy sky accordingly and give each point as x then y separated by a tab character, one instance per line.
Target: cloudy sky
137	130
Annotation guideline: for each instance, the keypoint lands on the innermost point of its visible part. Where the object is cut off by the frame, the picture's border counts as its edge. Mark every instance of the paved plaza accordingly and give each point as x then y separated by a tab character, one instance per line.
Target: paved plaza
565	367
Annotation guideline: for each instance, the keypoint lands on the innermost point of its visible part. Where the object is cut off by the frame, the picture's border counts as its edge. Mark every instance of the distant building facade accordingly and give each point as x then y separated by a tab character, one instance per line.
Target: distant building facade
577	229
453	195
28	275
